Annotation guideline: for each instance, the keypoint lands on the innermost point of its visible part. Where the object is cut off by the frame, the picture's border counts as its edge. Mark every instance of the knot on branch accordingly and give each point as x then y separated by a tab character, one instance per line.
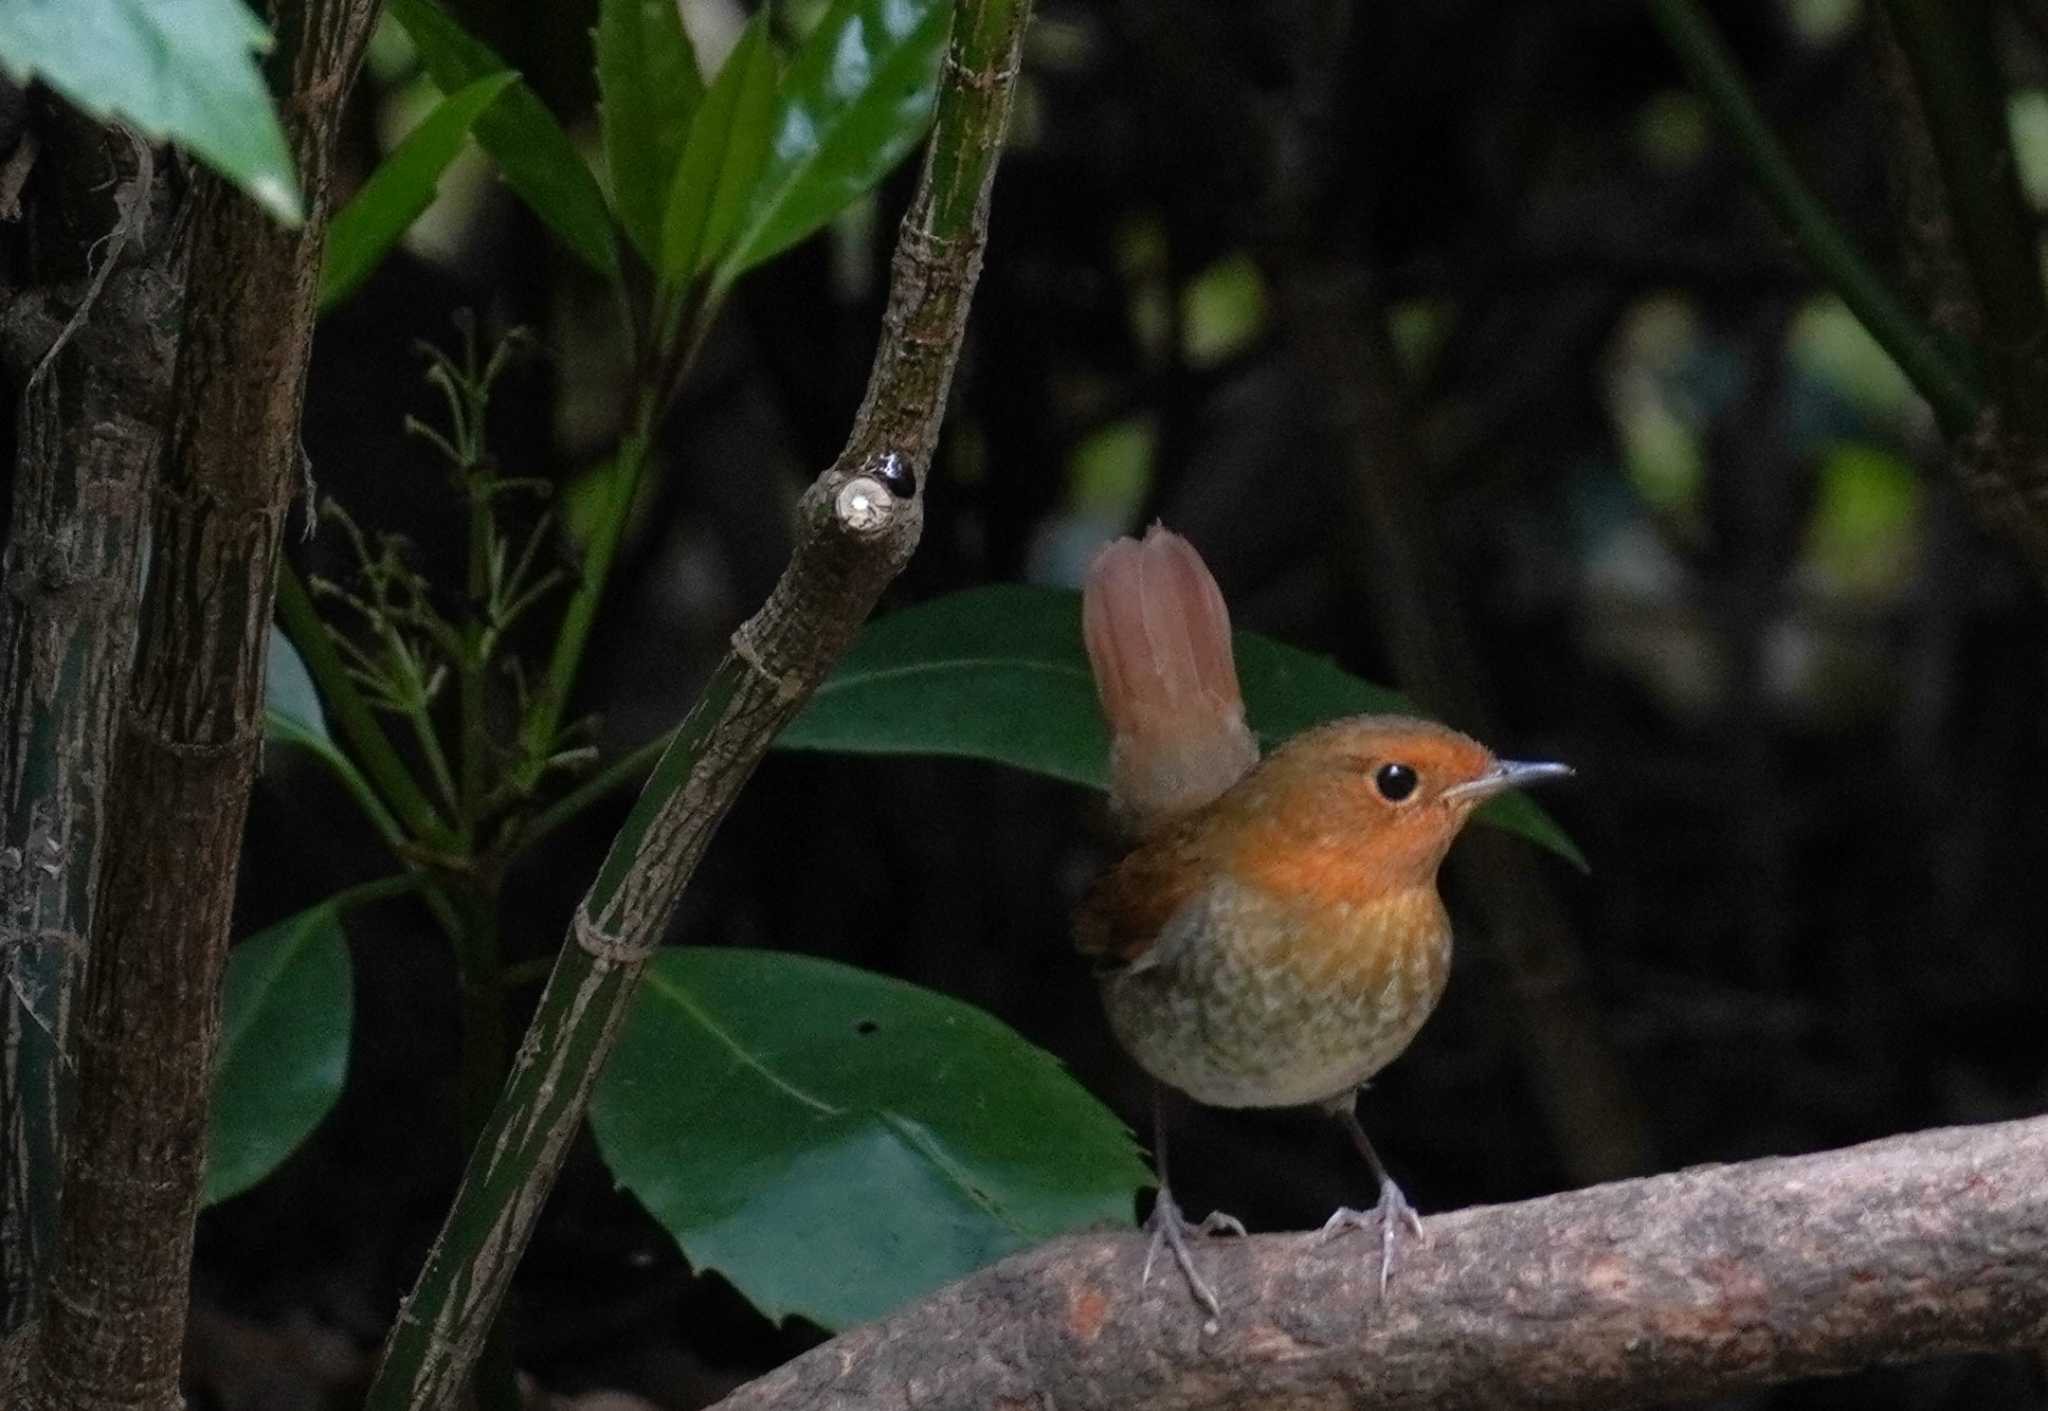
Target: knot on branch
996	78
609	948
864	505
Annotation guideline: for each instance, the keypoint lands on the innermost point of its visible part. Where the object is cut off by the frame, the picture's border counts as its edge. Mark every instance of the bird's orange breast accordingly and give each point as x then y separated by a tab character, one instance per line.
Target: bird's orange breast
1255	999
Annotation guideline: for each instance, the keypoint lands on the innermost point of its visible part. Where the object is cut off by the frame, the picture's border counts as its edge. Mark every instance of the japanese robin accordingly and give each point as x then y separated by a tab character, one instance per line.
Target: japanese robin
1275	937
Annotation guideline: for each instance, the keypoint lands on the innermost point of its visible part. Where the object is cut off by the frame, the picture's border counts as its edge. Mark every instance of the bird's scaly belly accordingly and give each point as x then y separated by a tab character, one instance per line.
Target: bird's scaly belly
1258	1004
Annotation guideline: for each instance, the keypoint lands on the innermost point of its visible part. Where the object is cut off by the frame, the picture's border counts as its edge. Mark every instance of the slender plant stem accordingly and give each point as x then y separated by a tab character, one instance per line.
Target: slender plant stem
372	808
609	780
380	889
422	717
1949	48
475	743
1951	387
371	747
855	534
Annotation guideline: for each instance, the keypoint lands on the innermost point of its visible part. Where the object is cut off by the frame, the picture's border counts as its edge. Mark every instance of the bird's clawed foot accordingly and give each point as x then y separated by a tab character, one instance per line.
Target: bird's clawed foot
1170	1228
1392	1212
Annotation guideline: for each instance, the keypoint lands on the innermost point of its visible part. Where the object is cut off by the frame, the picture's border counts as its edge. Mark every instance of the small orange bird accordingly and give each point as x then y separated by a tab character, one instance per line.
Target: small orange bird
1276	937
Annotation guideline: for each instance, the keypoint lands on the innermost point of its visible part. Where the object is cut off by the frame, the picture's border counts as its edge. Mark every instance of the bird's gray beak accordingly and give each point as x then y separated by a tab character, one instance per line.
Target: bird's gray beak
1506	774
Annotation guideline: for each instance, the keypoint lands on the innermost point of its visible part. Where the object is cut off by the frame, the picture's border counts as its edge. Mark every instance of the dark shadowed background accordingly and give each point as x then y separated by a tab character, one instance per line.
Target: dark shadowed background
1457	341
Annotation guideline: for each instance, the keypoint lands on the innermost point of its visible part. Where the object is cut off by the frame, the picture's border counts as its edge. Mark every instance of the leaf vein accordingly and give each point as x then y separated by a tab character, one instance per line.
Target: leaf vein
688	1004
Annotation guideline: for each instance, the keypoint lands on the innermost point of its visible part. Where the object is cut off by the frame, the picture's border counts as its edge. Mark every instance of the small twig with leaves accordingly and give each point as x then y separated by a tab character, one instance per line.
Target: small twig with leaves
859	522
415	648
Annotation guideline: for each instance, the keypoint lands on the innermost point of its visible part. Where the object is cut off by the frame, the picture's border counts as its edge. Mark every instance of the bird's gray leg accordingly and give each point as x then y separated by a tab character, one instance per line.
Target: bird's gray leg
1392	1210
1170	1228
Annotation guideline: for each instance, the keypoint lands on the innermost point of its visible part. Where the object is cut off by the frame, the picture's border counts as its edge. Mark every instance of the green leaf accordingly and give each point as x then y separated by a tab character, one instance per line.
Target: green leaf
1000	674
647	73
287	1006
536	156
175	70
292	716
289	695
722	159
402	186
858	95
838	1143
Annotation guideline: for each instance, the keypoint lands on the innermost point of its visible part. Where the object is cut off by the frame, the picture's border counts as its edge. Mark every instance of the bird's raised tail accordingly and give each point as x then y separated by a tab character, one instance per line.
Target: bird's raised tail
1158	639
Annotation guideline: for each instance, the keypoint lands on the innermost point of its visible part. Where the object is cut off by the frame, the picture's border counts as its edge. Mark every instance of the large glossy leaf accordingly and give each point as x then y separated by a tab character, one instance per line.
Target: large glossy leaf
857	97
175	70
402	186
836	1142
651	86
536	156
286	1010
999	673
722	159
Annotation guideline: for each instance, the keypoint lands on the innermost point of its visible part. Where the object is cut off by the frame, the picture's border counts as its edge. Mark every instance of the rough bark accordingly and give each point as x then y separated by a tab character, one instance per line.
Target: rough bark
1680	1287
148	1017
87	338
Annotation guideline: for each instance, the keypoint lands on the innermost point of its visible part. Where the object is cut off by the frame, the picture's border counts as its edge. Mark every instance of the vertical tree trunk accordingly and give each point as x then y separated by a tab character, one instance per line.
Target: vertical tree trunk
148	1018
87	338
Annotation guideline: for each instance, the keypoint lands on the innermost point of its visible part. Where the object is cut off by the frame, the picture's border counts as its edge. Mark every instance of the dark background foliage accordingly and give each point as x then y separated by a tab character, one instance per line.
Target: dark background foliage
1459	344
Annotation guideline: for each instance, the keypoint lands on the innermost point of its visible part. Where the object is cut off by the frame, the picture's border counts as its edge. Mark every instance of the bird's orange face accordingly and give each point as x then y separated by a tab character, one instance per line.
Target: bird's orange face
1357	811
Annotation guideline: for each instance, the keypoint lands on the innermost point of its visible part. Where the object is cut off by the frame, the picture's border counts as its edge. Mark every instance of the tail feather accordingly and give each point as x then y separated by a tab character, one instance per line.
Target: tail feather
1158	637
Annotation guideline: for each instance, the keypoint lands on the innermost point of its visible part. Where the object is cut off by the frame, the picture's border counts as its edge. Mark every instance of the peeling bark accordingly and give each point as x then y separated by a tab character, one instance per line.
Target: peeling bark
88	339
148	1018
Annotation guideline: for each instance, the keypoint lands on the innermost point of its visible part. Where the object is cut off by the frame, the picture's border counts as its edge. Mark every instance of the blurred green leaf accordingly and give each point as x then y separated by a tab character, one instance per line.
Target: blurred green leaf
175	70
1223	311
1864	536
858	96
292	716
287	1006
1000	674
722	159
648	77
536	156
838	1143
1111	469
1672	130
402	186
1829	344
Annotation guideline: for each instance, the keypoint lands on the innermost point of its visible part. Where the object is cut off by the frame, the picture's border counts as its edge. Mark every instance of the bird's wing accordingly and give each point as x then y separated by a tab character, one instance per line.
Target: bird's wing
1133	906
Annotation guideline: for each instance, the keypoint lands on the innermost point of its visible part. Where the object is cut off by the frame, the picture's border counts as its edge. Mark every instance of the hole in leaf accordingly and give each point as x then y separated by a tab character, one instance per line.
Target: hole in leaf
865	1027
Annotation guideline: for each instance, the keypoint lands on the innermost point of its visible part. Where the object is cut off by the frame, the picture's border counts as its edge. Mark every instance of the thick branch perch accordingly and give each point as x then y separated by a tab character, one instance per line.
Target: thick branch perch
1692	1285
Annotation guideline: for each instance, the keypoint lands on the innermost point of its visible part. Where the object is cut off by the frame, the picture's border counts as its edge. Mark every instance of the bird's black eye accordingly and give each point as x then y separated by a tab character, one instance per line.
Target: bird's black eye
1394	781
